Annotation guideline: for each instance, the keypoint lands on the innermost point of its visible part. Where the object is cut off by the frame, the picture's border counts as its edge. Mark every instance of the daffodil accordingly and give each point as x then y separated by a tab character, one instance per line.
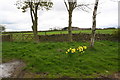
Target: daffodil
85	47
81	48
74	49
68	50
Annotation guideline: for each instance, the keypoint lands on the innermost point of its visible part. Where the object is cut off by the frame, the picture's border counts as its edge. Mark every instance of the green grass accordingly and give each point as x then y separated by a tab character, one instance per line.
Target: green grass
50	57
108	31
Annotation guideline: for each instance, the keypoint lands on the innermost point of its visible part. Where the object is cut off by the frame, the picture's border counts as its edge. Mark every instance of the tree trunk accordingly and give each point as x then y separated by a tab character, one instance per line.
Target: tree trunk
35	23
70	26
94	24
35	33
92	38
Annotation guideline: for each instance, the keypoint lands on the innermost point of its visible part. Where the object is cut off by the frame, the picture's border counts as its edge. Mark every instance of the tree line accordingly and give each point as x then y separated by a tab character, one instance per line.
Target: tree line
34	5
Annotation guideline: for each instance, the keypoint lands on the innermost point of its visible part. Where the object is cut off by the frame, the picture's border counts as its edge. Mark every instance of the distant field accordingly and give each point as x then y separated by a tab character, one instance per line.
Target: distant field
108	31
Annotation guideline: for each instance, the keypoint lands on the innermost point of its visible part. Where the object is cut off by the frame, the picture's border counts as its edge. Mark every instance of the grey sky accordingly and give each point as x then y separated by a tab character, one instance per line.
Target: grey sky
15	20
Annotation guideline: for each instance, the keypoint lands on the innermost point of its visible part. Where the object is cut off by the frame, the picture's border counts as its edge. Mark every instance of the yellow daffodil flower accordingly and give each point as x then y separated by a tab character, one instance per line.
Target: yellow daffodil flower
74	50
68	50
81	48
85	47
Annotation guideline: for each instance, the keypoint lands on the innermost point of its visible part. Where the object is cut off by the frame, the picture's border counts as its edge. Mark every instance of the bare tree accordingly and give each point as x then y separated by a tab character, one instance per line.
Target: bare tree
70	6
34	6
94	23
2	28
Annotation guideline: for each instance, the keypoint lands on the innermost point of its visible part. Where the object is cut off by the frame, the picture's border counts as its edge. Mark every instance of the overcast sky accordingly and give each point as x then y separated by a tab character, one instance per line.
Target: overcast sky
15	20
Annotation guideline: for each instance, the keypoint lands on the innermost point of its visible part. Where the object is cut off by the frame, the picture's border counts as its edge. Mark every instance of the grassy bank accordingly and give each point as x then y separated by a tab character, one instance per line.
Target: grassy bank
50	58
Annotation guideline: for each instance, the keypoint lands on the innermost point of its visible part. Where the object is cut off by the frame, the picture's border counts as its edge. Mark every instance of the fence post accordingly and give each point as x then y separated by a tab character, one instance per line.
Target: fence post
45	33
60	32
11	37
22	37
0	36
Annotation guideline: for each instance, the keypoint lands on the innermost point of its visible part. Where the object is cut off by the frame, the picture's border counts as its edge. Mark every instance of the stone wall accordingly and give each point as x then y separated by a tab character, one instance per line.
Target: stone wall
6	38
58	37
76	37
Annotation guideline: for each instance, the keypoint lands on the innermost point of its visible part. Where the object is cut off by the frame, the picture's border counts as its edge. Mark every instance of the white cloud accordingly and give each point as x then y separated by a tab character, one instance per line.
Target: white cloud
14	19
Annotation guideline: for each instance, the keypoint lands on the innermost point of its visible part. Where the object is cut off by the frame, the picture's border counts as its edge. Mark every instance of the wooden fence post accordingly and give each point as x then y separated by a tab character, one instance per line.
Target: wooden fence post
11	37
60	32
45	33
0	37
22	37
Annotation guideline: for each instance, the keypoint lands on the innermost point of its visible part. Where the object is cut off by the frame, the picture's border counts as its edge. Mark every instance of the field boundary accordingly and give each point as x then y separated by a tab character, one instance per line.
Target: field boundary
55	38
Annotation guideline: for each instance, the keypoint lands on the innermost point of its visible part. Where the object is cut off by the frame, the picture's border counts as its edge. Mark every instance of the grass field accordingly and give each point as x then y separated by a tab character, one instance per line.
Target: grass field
107	31
50	58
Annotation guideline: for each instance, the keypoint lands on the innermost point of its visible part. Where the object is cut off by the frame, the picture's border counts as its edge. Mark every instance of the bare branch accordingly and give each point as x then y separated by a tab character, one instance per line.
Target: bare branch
115	0
30	5
98	13
84	7
66	5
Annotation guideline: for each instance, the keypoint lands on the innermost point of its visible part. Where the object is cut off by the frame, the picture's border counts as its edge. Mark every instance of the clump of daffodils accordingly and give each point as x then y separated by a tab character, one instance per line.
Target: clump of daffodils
80	49
70	50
